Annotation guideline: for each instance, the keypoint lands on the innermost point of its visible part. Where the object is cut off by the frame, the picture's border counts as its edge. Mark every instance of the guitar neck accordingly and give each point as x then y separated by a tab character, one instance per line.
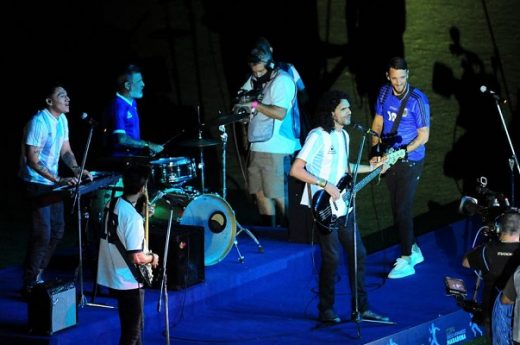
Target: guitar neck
364	182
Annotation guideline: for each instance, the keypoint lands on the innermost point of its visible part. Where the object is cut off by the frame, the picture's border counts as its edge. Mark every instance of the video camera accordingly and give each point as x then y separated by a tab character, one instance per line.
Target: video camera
243	97
246	96
492	205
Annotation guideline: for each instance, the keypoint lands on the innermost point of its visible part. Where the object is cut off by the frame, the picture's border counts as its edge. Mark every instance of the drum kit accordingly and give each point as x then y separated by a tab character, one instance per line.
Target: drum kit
190	206
198	208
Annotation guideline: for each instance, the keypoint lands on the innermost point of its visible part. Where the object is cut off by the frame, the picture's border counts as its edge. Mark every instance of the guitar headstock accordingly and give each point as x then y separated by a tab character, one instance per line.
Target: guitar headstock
393	156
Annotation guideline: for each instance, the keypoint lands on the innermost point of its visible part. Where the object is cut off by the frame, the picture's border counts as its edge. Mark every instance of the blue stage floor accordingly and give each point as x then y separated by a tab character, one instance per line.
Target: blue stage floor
271	298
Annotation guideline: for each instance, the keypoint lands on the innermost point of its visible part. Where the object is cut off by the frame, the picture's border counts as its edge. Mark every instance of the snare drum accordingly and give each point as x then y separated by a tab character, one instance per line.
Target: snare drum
173	170
209	211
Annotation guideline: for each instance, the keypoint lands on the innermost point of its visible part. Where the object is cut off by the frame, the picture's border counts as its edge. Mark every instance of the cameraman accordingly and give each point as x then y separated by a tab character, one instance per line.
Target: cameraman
496	260
270	134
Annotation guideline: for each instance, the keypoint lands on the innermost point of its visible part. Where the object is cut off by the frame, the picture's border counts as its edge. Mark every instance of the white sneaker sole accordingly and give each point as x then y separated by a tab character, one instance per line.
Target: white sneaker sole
401	275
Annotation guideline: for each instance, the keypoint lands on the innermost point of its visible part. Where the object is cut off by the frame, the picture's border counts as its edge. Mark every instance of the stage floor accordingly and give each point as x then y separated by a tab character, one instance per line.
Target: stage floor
271	298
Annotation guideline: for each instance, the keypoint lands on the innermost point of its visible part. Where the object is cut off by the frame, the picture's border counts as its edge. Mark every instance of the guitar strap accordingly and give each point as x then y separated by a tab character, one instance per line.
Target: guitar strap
111	224
346	149
397	121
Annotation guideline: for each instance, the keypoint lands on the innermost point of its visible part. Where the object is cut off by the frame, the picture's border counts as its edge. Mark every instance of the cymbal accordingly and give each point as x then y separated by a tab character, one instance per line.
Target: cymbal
199	142
227	119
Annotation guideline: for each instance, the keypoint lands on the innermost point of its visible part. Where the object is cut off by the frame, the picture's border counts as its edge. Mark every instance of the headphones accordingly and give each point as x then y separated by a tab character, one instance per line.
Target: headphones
500	219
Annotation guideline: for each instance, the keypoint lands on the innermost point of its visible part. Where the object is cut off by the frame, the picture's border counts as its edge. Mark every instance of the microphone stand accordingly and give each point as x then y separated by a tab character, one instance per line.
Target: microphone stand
224	137
356	315
164	281
77	203
514	159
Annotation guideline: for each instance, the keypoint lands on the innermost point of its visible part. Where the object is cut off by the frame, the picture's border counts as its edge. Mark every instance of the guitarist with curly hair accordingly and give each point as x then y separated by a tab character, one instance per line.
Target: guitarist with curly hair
321	164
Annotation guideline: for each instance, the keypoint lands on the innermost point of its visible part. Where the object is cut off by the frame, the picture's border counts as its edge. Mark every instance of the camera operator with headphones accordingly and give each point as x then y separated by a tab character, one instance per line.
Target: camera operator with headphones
496	259
270	134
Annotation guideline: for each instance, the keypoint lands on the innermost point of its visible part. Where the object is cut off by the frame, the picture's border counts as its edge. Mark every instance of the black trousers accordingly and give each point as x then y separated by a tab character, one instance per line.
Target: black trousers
402	180
130	305
330	246
48	228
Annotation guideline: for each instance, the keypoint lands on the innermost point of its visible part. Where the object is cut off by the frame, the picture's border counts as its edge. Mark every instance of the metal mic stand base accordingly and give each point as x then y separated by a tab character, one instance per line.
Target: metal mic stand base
84	303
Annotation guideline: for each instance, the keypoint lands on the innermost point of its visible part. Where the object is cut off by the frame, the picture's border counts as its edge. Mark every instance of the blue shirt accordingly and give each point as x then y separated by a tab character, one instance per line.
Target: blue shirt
416	115
124	120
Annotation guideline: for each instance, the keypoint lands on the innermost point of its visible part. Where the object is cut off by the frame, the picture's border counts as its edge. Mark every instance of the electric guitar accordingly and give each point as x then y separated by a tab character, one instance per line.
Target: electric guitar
146	270
326	210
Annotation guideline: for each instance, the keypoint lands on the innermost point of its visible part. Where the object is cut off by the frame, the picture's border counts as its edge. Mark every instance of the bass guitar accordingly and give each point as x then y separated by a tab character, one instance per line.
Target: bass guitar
326	210
145	271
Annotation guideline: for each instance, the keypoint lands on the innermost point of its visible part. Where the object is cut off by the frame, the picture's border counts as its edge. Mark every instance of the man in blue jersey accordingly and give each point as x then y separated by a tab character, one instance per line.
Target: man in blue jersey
402	120
124	127
321	163
270	134
45	141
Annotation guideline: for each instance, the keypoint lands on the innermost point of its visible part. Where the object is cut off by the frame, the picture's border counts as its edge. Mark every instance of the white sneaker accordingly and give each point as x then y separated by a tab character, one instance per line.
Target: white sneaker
402	268
416	257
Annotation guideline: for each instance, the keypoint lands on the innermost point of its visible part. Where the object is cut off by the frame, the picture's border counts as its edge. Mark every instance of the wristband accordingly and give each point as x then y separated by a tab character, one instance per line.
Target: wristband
321	182
254	104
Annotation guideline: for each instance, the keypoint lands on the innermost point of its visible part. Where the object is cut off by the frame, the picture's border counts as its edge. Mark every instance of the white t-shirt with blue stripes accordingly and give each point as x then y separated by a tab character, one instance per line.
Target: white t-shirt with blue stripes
48	133
326	155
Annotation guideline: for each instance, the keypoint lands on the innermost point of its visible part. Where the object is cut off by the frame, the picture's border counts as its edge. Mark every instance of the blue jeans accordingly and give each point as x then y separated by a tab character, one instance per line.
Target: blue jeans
48	227
330	245
402	180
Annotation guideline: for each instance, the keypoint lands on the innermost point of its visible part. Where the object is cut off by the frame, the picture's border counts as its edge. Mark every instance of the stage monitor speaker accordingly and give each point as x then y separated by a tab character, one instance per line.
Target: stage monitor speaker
52	307
185	266
300	216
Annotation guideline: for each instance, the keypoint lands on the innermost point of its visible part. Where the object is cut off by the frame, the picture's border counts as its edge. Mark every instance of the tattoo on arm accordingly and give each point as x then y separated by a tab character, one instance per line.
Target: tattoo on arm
42	169
70	160
33	160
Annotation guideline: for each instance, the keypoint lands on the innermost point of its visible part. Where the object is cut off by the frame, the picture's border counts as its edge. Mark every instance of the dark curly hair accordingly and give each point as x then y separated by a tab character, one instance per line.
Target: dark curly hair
326	106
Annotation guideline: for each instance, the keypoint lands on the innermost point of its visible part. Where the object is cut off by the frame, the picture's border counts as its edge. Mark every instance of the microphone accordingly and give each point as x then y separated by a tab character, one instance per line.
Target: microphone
91	121
365	130
485	89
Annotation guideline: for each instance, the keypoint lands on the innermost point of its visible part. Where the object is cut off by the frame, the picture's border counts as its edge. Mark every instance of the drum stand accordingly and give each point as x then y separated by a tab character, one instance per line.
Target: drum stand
223	137
250	234
201	166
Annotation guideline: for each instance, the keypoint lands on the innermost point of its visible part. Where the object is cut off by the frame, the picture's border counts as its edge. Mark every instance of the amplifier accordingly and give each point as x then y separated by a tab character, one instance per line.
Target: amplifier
185	266
52	307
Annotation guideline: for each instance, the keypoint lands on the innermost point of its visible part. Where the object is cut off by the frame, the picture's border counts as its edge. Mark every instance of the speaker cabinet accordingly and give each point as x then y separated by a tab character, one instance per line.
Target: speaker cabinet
52	307
300	216
185	266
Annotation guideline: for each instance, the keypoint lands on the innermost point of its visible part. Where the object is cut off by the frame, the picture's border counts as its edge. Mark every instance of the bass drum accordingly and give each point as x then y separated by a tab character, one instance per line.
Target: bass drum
101	197
209	211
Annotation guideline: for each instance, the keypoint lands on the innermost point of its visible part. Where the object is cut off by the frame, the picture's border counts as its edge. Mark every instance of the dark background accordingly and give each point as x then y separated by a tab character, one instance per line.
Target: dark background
193	54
